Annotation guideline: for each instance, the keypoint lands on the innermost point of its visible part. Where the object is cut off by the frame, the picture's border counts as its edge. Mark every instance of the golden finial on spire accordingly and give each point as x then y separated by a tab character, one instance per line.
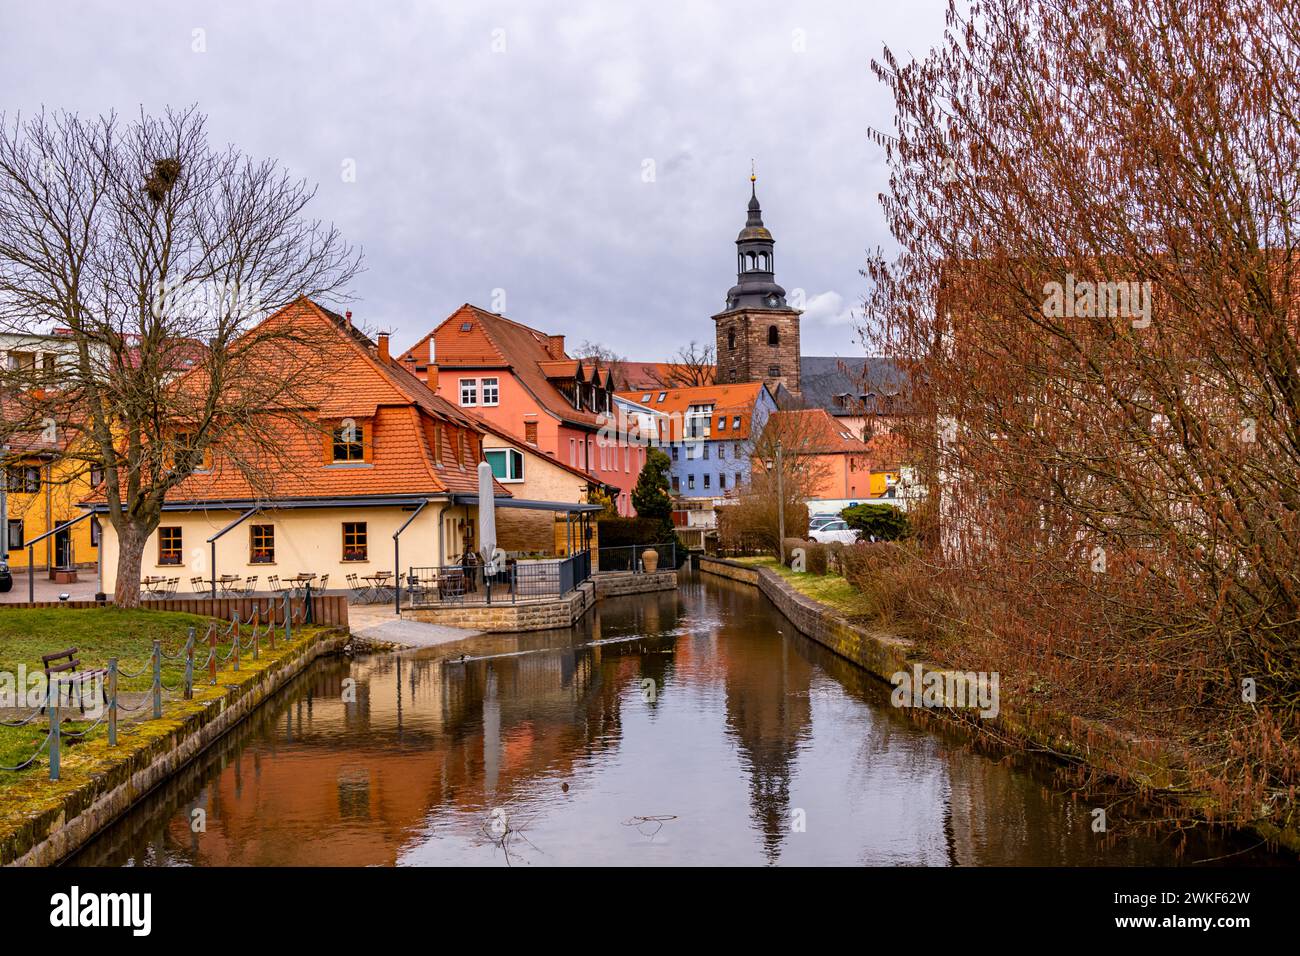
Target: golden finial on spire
753	177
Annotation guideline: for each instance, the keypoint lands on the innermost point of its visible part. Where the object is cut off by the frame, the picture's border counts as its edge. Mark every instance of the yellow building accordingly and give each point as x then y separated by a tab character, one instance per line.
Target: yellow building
43	487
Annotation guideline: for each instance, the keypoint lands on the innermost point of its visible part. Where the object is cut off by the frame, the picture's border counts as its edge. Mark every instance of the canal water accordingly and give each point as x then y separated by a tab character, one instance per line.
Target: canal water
687	727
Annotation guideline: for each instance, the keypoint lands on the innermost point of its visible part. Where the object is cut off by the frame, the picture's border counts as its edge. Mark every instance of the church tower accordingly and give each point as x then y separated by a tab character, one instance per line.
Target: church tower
757	333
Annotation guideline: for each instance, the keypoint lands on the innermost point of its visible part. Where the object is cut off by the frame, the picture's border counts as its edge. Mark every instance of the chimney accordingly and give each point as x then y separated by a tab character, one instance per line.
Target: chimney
431	377
555	346
383	346
348	317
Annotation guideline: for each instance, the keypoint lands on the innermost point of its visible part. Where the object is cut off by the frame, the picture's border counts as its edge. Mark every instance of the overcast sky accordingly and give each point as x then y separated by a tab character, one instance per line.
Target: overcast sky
589	159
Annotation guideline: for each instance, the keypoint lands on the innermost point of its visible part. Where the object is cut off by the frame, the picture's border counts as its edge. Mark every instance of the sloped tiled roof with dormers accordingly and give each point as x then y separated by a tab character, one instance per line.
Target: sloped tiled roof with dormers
409	432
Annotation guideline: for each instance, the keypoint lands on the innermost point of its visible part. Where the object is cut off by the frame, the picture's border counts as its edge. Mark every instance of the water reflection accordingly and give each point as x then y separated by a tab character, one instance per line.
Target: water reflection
686	727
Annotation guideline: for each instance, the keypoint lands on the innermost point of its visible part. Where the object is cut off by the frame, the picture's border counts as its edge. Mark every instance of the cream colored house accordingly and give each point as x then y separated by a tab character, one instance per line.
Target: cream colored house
389	456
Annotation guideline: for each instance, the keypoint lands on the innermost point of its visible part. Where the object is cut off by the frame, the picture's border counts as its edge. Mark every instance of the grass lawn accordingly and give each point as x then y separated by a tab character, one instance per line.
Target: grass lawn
98	634
829	589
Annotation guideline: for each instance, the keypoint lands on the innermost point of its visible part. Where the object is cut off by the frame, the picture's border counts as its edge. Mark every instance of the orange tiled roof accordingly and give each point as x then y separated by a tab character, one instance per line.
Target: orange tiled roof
399	416
733	400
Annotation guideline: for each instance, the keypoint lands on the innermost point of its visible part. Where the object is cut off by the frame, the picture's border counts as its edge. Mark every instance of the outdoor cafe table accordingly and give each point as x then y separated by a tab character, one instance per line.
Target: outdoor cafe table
301	581
152	585
379	585
228	582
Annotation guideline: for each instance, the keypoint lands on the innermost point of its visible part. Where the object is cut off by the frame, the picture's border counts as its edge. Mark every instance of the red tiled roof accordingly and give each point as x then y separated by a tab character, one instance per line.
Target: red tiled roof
398	413
471	338
814	431
647	375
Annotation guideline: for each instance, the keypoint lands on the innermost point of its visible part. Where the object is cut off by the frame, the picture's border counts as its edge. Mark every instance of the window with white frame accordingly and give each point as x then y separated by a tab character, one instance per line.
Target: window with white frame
491	391
469	391
507	463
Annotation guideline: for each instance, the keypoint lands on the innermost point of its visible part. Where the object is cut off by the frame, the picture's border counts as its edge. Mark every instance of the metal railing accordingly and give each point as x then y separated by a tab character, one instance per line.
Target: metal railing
630	557
519	580
243	635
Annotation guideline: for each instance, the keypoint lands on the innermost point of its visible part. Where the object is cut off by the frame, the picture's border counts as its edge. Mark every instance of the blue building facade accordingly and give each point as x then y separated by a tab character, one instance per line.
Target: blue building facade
712	455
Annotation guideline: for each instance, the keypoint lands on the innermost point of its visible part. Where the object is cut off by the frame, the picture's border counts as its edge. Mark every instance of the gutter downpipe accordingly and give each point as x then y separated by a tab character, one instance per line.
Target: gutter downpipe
31	554
212	544
397	556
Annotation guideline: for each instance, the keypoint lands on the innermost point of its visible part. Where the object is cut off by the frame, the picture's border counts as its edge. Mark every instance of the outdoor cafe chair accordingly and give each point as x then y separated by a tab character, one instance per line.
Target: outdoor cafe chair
250	585
360	592
169	589
324	583
199	585
281	589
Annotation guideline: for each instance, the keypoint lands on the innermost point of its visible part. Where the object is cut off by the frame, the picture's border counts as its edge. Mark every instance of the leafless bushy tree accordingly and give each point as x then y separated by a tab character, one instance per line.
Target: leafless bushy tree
1095	202
157	254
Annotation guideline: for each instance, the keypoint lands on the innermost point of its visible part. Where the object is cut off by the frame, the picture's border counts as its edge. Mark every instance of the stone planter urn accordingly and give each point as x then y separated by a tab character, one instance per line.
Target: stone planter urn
650	560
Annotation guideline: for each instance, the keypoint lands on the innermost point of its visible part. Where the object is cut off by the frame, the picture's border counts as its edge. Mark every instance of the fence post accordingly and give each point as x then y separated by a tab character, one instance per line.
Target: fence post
288	623
309	602
212	654
52	708
189	665
112	701
270	624
235	650
157	679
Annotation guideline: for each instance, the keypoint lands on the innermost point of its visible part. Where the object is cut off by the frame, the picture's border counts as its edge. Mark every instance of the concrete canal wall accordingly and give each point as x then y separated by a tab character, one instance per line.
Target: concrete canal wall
63	826
882	654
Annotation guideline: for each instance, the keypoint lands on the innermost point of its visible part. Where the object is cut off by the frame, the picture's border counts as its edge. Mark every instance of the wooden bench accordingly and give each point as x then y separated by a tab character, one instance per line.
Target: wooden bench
67	672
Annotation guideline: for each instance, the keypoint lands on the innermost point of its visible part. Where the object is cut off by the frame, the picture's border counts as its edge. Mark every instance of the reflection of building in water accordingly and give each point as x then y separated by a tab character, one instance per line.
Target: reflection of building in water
769	711
357	785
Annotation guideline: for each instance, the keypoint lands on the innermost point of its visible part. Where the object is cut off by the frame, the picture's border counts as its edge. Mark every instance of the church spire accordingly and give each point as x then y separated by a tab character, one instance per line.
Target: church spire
755	270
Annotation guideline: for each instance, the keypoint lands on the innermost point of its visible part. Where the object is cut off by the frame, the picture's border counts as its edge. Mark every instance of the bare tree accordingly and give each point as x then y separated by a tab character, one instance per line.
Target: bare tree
157	255
761	499
692	365
588	349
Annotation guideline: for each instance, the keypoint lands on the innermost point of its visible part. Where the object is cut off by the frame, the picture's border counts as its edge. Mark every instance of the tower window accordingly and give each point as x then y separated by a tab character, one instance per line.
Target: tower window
731	339
773	335
774	371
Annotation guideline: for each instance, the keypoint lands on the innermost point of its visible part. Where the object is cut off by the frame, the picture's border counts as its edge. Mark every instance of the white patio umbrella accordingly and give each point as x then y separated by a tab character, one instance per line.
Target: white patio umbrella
487	516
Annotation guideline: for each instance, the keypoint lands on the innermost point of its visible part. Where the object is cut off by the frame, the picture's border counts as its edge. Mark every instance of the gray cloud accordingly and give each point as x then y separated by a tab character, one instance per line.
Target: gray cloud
503	145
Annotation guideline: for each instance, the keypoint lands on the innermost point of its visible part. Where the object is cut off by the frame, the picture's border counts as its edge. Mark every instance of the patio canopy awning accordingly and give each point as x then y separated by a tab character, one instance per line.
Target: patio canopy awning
526	503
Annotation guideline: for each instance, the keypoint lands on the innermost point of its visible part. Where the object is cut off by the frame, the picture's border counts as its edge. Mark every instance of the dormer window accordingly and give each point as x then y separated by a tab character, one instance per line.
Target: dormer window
348	444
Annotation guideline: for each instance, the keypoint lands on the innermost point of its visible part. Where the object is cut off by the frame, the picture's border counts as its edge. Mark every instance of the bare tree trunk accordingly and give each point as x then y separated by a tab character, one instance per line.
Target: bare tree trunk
131	536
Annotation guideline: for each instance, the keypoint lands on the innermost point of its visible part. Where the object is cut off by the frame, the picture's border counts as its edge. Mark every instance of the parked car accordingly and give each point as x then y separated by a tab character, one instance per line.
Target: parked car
836	530
817	521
